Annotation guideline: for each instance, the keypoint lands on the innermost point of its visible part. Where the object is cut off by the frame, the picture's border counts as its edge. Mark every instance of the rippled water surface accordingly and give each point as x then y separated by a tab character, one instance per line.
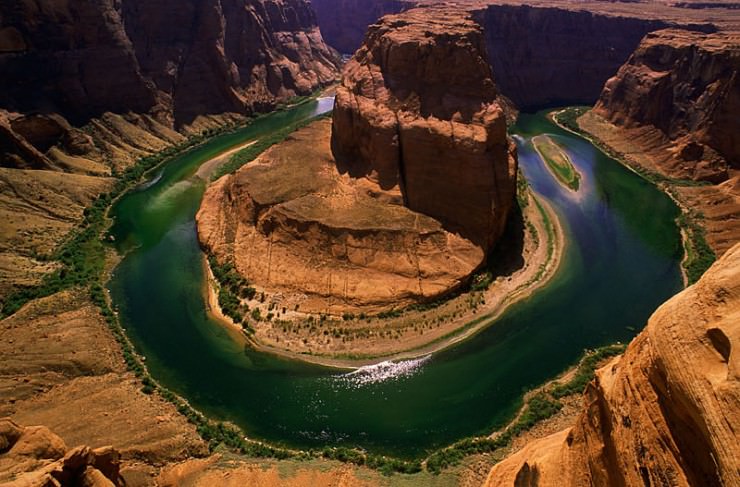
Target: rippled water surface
621	262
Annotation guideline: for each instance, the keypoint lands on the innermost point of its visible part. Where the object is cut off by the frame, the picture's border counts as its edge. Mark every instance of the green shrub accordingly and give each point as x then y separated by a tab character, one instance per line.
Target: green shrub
586	370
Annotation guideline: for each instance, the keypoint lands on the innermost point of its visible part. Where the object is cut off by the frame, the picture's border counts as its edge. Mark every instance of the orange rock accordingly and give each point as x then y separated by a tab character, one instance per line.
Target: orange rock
418	110
665	413
38	458
415	191
296	227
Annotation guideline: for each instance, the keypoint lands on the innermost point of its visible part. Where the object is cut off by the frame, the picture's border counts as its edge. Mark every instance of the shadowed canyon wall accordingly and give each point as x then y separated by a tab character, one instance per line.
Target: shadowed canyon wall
174	59
344	22
686	85
548	56
540	55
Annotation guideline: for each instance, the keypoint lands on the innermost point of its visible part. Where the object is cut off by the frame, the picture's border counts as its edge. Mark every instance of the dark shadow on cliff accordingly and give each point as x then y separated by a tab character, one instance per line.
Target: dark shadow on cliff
507	256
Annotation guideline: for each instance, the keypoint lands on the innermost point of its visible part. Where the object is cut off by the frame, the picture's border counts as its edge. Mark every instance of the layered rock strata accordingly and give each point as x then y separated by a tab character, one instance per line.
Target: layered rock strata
418	110
326	242
684	86
412	195
173	59
88	88
543	56
344	22
649	418
546	52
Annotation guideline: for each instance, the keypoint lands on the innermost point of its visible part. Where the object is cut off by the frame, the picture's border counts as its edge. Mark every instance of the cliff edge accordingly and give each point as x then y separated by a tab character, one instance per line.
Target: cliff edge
686	86
438	136
666	412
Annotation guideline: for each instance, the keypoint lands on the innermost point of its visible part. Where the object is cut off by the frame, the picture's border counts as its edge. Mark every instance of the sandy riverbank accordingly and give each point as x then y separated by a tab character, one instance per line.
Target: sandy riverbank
207	168
714	208
542	256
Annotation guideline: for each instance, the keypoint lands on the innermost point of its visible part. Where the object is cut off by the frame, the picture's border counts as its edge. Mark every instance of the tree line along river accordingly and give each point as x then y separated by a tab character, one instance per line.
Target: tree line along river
621	261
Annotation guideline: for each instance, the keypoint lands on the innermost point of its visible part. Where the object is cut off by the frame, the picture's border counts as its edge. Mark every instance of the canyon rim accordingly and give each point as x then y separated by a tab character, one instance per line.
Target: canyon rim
356	184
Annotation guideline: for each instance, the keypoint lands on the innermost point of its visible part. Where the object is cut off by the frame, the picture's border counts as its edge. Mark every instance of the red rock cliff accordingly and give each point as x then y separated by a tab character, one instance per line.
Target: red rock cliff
418	111
687	86
543	53
544	56
665	413
174	58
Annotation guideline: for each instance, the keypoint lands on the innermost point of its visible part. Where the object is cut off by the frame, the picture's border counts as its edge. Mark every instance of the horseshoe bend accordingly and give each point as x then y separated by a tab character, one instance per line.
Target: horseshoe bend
257	242
397	202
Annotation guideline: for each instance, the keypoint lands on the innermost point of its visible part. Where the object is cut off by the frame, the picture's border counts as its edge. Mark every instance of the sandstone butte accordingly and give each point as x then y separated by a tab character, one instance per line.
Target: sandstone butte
408	200
666	412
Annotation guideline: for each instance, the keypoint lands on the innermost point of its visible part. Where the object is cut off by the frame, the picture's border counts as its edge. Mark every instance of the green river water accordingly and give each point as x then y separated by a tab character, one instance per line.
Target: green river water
621	261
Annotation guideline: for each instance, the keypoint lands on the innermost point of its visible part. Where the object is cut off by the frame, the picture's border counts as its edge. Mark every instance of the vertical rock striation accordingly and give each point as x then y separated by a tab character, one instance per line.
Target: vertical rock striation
344	22
418	111
665	413
547	55
174	59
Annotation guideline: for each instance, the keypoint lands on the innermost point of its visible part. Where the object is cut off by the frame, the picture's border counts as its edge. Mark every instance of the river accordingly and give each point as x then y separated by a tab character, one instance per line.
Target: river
621	261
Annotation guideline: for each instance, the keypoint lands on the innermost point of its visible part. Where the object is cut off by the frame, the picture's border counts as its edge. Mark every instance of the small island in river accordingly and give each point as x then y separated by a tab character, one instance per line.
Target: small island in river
557	161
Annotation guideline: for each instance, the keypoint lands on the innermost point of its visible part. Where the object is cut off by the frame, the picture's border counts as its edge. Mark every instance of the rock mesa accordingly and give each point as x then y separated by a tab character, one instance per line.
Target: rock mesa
399	199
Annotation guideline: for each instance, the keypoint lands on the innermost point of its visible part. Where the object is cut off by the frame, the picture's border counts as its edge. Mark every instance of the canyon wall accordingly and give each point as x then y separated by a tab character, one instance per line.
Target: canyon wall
344	22
548	56
543	54
686	86
667	412
438	135
173	59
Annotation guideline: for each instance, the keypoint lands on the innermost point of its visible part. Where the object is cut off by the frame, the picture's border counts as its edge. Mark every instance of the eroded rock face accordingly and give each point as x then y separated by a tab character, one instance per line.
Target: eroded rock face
665	413
344	22
687	86
327	242
542	53
175	59
34	456
542	56
418	111
412	195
